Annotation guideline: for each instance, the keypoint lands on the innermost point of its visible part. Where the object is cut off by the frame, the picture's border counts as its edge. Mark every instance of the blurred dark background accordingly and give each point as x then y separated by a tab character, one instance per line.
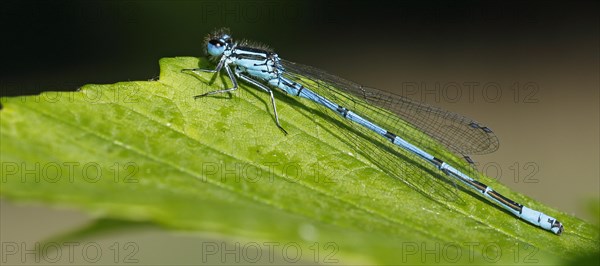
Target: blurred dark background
62	45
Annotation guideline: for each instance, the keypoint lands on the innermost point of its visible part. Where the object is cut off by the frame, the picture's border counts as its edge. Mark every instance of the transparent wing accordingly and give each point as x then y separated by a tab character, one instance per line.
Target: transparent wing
390	158
458	133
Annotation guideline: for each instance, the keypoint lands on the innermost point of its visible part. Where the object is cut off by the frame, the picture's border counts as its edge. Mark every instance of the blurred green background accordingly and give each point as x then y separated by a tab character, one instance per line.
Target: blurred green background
527	70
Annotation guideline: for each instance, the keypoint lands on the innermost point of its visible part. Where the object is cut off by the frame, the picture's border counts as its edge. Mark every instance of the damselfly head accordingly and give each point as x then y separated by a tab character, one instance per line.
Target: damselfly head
217	42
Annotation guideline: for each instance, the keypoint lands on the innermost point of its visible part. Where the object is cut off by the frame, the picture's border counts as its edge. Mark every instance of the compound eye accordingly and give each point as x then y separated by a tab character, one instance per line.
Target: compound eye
215	47
216	42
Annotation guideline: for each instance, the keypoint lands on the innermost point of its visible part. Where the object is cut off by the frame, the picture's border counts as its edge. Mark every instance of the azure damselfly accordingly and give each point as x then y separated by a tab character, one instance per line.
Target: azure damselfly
369	110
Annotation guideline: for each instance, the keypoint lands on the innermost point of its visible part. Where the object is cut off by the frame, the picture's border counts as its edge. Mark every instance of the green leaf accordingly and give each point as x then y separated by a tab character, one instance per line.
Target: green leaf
146	151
